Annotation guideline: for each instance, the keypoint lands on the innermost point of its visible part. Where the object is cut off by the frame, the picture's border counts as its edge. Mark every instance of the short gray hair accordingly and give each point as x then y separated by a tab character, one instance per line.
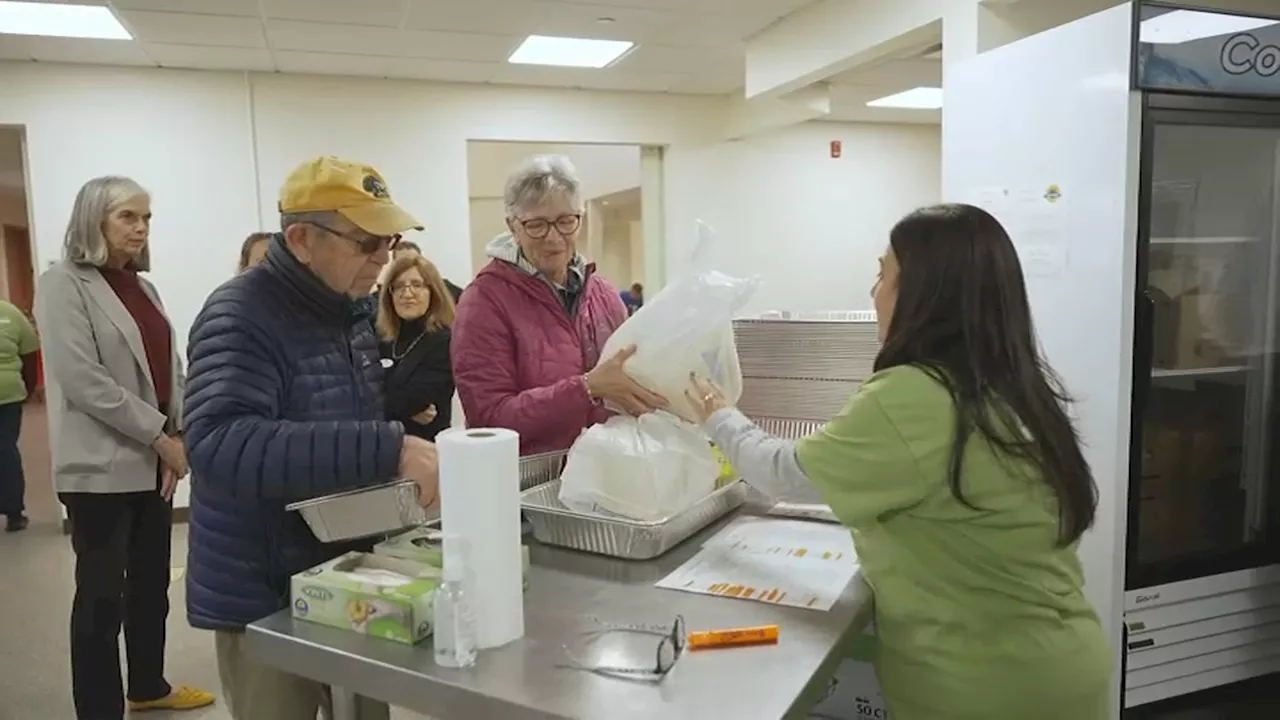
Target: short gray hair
323	217
84	243
538	178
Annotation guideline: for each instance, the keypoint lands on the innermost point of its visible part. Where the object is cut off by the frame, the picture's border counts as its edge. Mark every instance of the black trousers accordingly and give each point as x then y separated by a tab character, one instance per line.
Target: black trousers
122	545
13	486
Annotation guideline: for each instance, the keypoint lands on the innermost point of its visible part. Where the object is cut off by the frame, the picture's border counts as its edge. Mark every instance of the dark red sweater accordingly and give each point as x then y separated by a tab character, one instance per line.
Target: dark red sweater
157	338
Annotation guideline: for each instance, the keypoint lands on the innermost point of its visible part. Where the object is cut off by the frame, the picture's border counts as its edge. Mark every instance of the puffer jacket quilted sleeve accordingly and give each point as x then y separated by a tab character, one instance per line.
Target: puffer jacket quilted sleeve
246	437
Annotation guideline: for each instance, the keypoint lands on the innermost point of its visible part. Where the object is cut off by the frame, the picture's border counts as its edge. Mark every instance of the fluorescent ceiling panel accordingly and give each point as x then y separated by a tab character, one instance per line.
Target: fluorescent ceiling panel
921	98
72	21
1182	26
568	52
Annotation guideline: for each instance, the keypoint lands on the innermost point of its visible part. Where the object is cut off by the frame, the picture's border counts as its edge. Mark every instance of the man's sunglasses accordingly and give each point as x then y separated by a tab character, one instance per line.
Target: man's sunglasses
368	244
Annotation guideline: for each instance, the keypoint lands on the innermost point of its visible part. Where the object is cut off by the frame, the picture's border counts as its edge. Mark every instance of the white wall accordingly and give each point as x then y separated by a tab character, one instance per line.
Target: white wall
214	147
185	136
1056	109
782	207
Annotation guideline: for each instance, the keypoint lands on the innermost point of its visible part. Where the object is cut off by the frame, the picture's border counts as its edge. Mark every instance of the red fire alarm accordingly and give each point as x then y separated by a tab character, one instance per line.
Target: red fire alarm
836	148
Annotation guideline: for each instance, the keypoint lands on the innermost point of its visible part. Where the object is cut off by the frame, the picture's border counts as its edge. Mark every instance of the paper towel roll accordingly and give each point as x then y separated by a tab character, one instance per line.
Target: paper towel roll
480	504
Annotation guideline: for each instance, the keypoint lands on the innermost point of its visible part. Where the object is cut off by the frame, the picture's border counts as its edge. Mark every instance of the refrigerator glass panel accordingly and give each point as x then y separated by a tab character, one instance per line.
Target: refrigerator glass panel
1208	482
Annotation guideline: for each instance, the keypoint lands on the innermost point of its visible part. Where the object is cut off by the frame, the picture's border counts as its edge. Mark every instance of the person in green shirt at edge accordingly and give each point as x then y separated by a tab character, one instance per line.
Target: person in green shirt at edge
959	471
18	345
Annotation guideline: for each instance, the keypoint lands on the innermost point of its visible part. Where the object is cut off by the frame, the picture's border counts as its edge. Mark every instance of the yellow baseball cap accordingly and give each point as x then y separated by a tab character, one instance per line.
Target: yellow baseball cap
356	191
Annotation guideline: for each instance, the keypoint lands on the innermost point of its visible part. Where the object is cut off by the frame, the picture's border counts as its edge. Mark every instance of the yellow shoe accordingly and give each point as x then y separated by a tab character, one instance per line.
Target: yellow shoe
183	697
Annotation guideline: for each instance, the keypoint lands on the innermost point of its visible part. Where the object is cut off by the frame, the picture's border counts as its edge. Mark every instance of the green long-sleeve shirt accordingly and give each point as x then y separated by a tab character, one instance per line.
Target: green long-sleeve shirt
980	614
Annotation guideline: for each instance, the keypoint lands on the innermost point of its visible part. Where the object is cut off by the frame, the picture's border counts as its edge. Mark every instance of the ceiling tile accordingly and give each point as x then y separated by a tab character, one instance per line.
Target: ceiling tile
82	50
668	58
329	38
578	20
458	46
502	17
331	64
713	31
444	70
382	13
189	29
244	8
211	58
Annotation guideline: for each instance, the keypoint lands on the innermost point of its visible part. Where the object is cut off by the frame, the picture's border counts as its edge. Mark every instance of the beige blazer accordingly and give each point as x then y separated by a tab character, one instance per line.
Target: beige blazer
103	412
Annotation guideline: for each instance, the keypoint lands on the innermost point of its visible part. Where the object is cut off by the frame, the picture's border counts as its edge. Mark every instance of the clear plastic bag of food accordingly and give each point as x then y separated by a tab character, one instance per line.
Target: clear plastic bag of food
687	328
646	468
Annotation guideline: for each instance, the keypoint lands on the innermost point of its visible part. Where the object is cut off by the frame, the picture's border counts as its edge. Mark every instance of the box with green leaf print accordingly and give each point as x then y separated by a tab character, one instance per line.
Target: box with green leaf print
377	595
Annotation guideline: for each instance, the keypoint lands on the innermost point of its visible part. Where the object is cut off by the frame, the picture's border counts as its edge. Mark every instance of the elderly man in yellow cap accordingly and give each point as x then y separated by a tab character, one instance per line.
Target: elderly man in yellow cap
284	404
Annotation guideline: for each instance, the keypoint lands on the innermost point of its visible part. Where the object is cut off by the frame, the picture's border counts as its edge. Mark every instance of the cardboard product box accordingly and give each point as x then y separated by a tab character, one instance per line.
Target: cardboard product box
1187	330
423	545
853	694
376	595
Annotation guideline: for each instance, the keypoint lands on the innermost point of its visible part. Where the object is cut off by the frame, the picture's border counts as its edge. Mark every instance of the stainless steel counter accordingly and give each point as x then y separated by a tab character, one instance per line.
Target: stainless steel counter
522	681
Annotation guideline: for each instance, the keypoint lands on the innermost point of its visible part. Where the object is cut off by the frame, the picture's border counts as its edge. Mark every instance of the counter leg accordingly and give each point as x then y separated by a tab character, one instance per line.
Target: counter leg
345	704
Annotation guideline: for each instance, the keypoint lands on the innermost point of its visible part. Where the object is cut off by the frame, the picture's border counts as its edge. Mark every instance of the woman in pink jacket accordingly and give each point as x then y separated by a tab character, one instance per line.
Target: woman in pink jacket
530	328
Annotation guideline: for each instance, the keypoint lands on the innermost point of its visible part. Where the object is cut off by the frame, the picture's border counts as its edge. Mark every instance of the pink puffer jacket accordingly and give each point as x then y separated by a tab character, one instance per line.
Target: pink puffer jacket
519	358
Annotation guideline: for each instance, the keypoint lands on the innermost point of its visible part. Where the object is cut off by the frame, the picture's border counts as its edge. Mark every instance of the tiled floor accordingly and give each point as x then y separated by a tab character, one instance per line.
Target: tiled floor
35	606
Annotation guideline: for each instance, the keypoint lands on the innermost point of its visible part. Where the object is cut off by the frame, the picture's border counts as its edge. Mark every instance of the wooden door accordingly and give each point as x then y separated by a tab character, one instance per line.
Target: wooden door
20	272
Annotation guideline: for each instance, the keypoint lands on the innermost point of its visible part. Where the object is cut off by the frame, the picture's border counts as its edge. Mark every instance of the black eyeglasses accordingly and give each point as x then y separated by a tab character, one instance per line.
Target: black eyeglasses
416	286
670	648
538	228
368	244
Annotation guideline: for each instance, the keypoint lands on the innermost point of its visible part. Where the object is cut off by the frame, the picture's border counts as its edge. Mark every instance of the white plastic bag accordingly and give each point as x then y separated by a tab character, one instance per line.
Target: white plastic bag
686	328
645	468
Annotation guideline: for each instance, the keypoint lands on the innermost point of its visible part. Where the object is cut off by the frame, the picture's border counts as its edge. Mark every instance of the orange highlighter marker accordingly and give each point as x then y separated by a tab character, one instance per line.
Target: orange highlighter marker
712	639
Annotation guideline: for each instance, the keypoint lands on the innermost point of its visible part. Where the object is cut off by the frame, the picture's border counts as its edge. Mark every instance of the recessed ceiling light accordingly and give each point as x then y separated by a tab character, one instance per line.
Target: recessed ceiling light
921	98
606	20
74	21
1182	26
568	52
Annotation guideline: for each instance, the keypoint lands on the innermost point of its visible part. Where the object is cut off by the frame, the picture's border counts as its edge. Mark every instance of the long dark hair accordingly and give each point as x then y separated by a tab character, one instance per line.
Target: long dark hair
962	316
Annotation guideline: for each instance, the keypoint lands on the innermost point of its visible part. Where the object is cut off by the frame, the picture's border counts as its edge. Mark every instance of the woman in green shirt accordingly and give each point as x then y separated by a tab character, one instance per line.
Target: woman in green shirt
959	471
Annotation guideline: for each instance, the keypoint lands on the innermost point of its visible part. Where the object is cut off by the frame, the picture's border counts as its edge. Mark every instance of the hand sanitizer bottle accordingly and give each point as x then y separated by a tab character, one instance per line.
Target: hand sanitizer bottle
455	629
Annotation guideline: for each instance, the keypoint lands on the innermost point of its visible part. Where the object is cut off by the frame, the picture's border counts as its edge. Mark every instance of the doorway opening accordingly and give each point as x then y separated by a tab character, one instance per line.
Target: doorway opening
17	286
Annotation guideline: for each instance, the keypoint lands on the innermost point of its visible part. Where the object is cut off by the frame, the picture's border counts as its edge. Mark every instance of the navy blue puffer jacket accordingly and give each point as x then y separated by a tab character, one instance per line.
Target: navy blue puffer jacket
283	404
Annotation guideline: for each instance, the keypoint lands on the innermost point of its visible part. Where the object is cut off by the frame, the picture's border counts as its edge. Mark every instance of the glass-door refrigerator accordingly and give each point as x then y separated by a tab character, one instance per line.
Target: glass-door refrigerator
1203	547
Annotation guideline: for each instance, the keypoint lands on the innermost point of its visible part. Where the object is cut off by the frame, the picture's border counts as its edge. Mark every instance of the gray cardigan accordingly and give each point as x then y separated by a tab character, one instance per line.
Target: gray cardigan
103	411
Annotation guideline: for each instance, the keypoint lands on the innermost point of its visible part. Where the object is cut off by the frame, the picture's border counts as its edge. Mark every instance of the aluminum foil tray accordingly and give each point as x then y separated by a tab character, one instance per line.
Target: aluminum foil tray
363	512
538	469
555	524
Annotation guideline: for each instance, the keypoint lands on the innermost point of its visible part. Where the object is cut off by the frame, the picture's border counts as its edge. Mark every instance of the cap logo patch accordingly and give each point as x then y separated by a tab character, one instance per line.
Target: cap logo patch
375	187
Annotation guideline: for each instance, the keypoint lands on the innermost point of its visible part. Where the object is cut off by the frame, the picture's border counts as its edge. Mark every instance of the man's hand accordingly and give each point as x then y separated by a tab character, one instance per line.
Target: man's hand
426	417
419	462
173	453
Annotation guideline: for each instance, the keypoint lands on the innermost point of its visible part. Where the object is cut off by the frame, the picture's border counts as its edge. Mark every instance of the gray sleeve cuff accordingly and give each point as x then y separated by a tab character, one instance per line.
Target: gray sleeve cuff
767	463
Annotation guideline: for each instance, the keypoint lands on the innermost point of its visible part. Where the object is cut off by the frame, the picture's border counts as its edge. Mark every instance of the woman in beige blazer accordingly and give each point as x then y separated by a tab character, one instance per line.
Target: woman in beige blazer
114	383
